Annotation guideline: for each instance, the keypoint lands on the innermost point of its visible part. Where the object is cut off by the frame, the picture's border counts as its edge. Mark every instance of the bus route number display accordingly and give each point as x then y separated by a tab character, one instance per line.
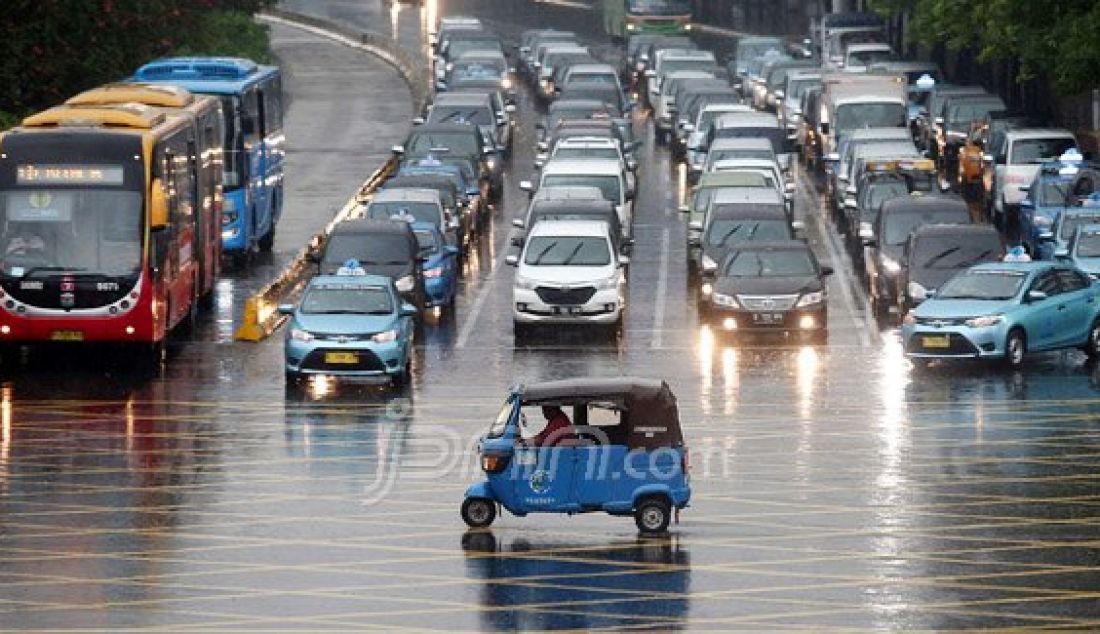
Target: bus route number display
68	175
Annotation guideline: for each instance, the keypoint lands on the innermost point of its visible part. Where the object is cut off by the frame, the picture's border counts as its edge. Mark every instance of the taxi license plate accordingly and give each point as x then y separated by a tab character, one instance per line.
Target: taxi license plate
767	318
66	335
341	358
936	342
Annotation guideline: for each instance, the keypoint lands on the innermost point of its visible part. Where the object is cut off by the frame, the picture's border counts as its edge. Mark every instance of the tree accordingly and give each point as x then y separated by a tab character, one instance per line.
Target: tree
1056	37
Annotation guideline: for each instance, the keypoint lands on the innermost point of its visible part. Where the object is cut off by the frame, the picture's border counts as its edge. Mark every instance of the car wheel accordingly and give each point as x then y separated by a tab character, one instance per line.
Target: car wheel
652	515
478	512
402	378
1015	348
1092	345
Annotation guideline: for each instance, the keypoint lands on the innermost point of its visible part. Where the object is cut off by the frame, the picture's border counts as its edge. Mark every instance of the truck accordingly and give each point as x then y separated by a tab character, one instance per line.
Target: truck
851	101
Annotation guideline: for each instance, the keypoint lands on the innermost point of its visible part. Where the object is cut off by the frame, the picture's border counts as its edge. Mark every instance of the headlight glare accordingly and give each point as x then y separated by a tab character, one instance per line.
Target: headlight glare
809	299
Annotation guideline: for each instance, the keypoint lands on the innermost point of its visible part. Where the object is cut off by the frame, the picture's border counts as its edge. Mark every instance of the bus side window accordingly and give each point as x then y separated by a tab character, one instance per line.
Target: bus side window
250	117
273	106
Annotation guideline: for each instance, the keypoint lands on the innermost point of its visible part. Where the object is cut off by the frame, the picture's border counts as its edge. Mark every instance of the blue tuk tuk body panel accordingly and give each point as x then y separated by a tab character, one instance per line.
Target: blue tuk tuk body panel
643	458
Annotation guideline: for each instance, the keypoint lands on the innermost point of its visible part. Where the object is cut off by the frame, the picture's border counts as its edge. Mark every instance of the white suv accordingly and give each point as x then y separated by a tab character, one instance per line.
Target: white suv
568	273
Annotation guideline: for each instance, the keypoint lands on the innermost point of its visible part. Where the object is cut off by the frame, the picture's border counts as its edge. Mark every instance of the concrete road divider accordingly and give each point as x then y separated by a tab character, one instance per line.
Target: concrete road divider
261	316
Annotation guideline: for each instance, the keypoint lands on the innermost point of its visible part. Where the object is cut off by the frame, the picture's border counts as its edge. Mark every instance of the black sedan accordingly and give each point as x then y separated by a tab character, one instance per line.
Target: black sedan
771	287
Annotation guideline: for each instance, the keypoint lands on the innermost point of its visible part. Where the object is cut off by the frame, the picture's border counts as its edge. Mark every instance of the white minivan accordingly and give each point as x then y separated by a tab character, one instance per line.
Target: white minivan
609	175
568	273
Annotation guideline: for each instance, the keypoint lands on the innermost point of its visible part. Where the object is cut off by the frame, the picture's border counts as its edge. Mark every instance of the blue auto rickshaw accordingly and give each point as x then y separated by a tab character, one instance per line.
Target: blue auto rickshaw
623	454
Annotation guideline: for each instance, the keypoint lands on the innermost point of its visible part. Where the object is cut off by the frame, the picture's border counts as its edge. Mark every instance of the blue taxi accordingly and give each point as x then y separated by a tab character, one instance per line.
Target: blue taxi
1050	193
350	324
440	264
1005	310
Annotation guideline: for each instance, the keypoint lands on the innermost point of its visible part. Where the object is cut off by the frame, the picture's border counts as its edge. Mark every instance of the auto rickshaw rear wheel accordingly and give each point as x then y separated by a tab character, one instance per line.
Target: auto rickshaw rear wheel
652	515
479	512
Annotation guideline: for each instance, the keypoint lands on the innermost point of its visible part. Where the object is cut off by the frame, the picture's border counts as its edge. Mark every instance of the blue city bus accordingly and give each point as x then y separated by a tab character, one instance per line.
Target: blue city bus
255	145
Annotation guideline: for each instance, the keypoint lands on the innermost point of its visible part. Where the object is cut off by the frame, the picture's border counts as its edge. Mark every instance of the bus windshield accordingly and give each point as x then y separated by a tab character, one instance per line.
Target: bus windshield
59	231
871	115
658	7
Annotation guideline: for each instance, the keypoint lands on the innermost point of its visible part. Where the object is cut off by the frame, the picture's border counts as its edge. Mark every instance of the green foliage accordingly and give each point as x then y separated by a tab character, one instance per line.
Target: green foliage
52	49
1058	37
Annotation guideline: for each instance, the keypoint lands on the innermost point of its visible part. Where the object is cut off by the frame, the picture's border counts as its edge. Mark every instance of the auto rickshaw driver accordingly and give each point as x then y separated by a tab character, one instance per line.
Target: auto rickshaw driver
558	427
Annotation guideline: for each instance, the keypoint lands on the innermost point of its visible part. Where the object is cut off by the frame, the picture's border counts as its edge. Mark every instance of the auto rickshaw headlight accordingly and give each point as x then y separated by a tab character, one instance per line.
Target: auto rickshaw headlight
494	463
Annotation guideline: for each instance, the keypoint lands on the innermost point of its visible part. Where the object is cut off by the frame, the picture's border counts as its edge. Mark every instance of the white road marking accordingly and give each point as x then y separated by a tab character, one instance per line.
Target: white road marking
662	291
479	302
867	331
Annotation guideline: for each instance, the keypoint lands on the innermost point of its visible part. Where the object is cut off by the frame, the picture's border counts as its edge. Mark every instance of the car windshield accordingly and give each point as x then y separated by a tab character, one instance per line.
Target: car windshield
969	111
798	88
1039	150
1088	245
778	263
1051	192
1070	224
381	249
751	50
866	58
587	153
608	185
427	241
458	143
55	231
721	155
407	211
900	225
467	114
564	114
880	192
458	48
726	231
955	252
776	136
871	115
347	299
597	77
983	284
672	65
568	251
658	7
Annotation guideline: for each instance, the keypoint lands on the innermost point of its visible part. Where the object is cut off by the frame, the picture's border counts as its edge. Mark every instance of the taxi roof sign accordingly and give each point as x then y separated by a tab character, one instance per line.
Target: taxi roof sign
926	82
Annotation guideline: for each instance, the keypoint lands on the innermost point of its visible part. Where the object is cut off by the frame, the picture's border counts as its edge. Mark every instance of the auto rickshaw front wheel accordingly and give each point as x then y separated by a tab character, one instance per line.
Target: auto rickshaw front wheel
479	512
652	515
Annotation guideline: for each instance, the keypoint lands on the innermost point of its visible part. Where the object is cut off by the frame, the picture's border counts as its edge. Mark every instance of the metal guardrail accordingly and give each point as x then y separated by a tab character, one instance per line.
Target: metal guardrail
261	316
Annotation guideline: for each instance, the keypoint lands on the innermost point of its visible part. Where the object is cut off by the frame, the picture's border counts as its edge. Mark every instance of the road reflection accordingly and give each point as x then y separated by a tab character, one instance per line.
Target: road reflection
630	583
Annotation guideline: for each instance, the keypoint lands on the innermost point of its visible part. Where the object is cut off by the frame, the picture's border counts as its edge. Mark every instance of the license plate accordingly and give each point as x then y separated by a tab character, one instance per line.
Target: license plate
767	318
341	358
66	335
936	342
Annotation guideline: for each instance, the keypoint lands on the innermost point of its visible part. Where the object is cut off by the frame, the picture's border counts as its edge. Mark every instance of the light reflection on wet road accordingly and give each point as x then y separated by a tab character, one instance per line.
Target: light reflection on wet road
833	487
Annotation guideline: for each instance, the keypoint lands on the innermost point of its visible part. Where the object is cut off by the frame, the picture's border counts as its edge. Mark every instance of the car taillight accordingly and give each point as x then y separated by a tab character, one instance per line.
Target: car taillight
494	463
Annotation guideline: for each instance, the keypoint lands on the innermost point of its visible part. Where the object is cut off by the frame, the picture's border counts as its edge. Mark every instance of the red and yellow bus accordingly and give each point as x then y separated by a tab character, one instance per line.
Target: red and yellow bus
107	216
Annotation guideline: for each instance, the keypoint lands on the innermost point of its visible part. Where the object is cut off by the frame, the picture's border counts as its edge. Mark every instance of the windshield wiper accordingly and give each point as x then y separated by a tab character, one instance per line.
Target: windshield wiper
53	269
936	258
542	254
976	259
729	234
573	254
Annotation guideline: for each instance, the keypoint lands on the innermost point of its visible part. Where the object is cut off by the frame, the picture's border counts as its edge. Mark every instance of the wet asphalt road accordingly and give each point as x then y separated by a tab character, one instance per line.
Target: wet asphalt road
834	487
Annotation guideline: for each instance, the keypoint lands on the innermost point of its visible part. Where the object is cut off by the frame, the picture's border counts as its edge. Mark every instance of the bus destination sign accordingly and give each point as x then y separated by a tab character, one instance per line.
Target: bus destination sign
68	175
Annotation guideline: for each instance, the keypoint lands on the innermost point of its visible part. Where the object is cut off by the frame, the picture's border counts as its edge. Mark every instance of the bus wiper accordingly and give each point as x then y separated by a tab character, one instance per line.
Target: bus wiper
53	269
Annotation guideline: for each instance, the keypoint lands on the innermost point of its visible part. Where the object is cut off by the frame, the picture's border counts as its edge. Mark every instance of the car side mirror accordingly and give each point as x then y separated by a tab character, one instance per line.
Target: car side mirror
516	241
798	225
832	157
518	223
511	260
539	163
939	120
1062	253
1035	296
624	261
851	203
650	73
870	243
286	309
827	271
510	108
695	225
418	120
398	149
527	186
683	209
632	165
779	94
408	310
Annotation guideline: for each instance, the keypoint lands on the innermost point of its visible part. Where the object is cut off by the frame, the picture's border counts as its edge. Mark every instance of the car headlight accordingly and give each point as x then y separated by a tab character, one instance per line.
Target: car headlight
917	292
721	299
298	334
809	299
890	265
525	283
608	284
984	322
386	336
405	284
708	263
434	272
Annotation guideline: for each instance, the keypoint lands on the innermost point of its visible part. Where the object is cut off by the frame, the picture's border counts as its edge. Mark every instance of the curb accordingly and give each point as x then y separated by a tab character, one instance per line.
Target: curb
261	316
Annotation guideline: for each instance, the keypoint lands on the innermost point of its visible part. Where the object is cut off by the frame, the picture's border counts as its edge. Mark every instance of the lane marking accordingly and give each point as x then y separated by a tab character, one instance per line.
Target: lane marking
662	291
482	295
865	330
